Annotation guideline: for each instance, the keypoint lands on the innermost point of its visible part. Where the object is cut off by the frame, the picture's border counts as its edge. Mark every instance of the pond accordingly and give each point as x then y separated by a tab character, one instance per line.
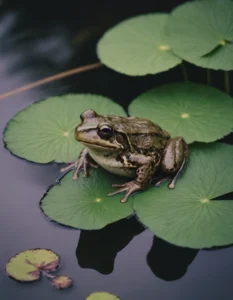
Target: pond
124	258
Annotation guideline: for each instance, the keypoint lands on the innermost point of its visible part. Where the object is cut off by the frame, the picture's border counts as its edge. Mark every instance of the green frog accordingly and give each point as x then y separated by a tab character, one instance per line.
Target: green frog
131	147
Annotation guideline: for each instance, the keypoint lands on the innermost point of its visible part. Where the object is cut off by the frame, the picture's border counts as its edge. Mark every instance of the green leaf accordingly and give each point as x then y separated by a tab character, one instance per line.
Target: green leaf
201	32
102	296
44	131
188	216
27	265
137	46
84	203
219	59
195	111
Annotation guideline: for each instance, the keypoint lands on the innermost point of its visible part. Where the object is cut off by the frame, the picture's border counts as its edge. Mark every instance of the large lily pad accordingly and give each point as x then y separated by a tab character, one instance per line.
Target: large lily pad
84	203
188	215
44	131
27	266
195	111
137	46
201	32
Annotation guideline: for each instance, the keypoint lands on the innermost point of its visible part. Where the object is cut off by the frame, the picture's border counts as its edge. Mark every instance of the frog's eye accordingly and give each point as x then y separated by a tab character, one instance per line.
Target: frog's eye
105	132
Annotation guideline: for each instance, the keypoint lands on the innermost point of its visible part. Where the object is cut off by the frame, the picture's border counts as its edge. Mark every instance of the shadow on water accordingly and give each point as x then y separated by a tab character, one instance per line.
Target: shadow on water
169	262
98	249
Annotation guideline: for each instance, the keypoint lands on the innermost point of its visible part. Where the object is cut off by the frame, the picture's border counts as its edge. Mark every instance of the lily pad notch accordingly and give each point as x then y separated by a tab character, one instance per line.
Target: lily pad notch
201	32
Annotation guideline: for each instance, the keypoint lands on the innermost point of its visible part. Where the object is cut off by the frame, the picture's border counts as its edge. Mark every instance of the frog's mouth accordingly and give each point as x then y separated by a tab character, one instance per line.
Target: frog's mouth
99	145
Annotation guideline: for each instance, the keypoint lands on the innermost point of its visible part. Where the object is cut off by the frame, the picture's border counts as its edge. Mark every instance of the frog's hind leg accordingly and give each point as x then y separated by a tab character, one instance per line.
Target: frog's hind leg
174	160
179	172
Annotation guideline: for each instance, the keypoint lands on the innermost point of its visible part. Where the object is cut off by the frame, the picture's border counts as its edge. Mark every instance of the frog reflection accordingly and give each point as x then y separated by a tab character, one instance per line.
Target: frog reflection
169	262
97	249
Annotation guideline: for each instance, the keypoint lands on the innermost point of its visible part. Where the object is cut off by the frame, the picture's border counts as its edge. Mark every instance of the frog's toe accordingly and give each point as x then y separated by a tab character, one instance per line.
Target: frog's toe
93	165
171	185
123	189
69	167
75	177
119	185
162	180
129	187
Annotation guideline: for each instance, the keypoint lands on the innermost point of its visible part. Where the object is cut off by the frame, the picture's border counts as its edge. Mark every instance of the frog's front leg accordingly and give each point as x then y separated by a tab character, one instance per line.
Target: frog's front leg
174	159
145	168
83	162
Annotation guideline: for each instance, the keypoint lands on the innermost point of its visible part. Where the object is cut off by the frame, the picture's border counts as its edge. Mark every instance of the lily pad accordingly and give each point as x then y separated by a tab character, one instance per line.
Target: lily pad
190	215
137	46
62	282
27	266
195	111
44	131
102	296
201	32
84	203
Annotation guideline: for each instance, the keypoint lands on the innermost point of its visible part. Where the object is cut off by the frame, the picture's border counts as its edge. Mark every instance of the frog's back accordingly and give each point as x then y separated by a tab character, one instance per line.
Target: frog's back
143	133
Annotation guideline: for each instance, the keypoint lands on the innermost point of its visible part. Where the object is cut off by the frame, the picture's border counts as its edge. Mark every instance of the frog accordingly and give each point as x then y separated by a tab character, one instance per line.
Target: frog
132	147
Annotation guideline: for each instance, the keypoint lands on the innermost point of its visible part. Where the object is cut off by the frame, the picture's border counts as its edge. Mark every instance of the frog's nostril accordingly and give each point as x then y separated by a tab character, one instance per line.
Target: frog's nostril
88	114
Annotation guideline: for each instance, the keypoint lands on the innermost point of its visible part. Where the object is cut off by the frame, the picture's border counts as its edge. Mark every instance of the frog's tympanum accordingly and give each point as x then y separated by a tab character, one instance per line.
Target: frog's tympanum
130	147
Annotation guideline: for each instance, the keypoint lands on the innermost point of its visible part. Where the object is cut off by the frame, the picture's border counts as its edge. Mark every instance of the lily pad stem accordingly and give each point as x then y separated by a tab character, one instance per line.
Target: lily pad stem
46	274
208	76
51	78
184	71
227	82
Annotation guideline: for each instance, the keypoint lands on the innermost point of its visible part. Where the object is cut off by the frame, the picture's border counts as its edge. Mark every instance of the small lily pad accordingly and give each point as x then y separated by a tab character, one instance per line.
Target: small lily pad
190	215
44	131
27	266
195	111
102	296
62	282
201	32
83	203
137	46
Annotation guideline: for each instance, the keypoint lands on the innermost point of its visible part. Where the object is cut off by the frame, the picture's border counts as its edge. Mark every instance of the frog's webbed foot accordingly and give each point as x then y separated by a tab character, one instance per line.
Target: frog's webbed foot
129	188
83	162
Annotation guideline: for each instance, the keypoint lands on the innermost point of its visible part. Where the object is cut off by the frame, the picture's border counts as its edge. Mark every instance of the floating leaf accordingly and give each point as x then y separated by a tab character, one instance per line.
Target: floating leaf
27	265
201	32
62	282
84	203
44	131
102	296
195	111
137	46
188	215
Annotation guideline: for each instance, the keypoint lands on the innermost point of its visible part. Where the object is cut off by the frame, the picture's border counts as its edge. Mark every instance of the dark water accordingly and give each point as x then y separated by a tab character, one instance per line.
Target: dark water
123	258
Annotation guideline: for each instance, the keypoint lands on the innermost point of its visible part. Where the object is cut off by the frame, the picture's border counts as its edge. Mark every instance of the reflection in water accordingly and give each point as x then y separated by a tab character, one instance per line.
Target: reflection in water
168	261
97	249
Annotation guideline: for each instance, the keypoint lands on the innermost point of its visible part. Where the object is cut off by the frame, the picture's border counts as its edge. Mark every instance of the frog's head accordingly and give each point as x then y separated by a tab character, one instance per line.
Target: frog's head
98	132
